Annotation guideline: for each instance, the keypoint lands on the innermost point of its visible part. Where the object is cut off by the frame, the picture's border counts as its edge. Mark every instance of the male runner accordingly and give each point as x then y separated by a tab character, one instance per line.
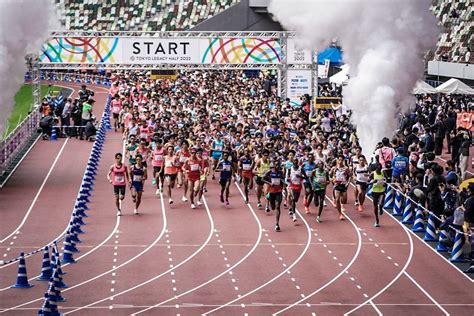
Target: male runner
118	176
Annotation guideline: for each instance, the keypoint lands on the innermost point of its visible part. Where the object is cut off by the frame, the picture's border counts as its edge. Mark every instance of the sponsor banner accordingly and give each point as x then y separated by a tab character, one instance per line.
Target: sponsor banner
298	84
327	63
297	56
155	51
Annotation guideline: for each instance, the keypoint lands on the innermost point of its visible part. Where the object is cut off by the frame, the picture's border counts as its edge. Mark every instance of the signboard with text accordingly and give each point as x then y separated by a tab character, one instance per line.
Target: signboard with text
155	51
298	84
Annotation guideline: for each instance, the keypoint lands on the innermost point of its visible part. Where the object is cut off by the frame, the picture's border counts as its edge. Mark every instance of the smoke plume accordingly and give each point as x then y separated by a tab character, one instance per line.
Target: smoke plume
24	26
383	42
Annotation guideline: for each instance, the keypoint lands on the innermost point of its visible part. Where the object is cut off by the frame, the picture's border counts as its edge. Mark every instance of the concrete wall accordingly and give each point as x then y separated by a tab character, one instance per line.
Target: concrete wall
451	70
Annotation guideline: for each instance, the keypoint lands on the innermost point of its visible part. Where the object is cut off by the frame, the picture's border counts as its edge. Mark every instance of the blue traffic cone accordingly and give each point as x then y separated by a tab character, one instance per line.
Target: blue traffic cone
72	244
457	254
57	260
79	221
46	308
46	271
443	238
57	282
407	212
389	199
73	238
68	253
52	301
430	234
54	135
22	278
419	225
397	207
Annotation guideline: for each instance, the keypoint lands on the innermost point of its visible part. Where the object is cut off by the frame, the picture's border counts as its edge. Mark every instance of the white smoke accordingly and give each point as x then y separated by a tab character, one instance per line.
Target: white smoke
24	26
383	42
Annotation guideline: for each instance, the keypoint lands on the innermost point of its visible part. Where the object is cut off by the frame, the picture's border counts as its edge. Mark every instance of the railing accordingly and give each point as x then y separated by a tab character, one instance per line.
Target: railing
14	142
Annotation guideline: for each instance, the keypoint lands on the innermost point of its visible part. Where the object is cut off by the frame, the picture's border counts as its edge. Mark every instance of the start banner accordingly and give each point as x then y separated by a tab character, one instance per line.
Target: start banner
156	51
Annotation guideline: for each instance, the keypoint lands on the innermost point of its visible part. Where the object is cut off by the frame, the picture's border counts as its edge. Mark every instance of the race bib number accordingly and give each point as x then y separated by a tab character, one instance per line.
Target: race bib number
168	164
158	157
226	168
321	179
219	148
137	178
119	179
276	181
341	176
308	172
246	166
183	159
143	135
295	179
195	167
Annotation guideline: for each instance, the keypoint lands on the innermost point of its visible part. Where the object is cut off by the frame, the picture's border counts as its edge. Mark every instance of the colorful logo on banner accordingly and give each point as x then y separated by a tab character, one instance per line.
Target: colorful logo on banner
242	51
79	50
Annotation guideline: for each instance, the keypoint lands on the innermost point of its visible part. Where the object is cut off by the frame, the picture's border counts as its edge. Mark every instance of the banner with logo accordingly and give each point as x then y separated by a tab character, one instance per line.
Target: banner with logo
155	51
298	84
297	56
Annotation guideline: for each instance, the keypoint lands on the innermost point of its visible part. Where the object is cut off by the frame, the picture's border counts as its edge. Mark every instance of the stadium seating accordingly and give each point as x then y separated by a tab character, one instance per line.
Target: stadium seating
137	15
455	17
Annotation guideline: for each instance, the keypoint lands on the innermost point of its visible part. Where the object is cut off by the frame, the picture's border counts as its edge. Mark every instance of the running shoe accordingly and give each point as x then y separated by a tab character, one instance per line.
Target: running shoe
205	189
153	182
246	200
277	228
259	205
341	217
324	204
178	185
290	212
170	201
184	199
343	209
376	225
227	203
381	211
213	177
193	206
306	210
119	213
360	208
285	205
199	203
157	192
318	219
134	200
222	199
356	203
267	209
135	211
294	217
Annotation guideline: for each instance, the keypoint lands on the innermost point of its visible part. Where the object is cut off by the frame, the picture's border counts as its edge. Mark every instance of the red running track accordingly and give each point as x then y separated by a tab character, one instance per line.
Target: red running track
216	260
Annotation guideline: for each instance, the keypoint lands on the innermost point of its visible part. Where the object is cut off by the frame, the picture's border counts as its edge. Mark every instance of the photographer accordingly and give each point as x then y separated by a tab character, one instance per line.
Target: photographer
85	94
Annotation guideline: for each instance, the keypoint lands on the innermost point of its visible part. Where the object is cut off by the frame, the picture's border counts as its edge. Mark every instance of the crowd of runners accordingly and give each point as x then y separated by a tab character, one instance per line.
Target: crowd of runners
227	127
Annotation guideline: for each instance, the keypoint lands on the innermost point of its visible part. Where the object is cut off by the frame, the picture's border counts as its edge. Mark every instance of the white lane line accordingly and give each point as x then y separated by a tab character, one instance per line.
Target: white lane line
32	205
230	268
359	245
113	268
287	270
172	268
426	293
407	263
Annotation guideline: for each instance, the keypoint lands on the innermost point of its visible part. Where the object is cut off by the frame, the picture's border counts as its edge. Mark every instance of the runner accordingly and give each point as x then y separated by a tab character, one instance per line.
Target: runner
204	174
275	180
183	156
193	169
246	165
308	167
296	178
118	177
157	163
354	163
319	180
261	168
361	173
378	191
116	109
138	175
132	150
224	166
288	165
217	148
340	178
171	171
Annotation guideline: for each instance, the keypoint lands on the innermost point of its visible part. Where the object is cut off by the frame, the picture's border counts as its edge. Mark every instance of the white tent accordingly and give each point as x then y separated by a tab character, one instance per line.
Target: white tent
342	76
455	86
423	88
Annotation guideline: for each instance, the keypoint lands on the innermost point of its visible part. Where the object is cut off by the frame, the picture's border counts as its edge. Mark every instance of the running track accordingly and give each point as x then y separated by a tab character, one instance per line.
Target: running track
172	260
